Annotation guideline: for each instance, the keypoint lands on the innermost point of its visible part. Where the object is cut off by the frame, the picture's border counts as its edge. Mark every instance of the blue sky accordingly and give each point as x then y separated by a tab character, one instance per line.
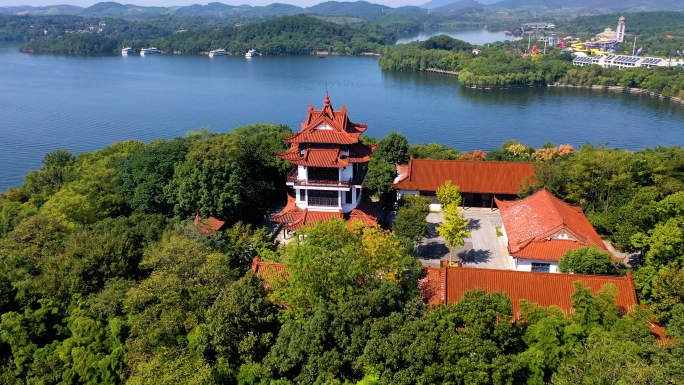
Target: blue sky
166	3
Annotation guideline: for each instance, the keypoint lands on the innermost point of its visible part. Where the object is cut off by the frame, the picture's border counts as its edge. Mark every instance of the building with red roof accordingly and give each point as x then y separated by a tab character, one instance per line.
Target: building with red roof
448	283
330	167
541	228
268	271
479	181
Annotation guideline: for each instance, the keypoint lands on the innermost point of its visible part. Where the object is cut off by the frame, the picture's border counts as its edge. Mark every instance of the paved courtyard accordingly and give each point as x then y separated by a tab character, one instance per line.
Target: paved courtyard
482	248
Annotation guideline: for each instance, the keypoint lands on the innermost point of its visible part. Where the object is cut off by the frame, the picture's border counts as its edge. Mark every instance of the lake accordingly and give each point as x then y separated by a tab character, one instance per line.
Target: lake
472	36
81	103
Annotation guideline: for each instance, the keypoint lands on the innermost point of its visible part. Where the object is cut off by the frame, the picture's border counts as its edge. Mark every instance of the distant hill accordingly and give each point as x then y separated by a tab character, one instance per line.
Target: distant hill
590	6
470	5
218	10
41	11
275	9
114	9
362	9
441	3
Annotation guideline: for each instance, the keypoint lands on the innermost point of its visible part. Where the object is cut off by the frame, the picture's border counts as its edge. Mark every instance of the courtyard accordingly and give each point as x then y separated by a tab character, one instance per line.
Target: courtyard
482	249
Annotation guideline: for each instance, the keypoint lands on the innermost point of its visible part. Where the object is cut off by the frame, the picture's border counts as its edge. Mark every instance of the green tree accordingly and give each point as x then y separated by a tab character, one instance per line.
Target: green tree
589	260
411	219
143	174
241	327
668	291
454	229
330	262
449	195
393	148
240	188
381	174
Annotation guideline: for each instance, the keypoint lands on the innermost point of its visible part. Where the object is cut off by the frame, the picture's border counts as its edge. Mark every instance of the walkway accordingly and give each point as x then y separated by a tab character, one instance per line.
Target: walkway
482	248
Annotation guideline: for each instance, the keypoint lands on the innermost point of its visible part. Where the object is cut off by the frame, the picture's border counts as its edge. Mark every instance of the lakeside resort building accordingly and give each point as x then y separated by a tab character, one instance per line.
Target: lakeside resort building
626	61
330	167
480	182
541	228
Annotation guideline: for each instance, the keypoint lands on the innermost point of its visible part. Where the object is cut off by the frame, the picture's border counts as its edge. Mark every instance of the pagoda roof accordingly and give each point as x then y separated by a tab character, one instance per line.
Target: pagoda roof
327	157
338	128
360	153
530	222
315	157
295	218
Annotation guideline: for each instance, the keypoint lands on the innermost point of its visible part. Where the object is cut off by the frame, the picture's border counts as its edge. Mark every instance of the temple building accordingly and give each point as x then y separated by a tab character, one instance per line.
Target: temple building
479	181
330	167
541	228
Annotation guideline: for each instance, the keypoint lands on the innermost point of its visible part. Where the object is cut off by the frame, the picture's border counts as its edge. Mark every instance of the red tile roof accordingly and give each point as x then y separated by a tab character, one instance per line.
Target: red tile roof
295	218
470	176
268	271
341	129
548	250
366	211
209	224
449	283
531	221
321	136
360	153
315	157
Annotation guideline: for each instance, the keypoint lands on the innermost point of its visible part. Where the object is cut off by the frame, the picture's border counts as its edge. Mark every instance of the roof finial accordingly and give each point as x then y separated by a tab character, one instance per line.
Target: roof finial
327	99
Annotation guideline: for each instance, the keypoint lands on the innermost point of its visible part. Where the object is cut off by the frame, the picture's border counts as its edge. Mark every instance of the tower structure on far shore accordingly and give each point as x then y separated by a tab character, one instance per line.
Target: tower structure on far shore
620	31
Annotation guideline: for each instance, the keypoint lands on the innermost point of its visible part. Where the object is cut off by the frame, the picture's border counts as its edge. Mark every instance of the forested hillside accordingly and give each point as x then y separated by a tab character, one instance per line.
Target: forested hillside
286	35
105	279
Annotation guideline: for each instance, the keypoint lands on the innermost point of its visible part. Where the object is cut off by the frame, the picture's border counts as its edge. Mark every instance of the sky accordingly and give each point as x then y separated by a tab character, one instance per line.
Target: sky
167	3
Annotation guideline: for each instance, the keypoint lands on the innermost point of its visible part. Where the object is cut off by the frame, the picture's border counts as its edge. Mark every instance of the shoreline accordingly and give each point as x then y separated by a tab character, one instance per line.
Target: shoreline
631	90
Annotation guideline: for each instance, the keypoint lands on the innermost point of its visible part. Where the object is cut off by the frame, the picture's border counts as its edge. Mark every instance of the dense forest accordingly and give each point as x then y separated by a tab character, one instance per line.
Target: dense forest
26	28
500	65
286	35
105	278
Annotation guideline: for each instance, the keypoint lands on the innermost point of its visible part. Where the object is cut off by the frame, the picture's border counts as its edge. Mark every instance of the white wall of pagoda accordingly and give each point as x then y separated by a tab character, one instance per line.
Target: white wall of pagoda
301	173
347	173
345	202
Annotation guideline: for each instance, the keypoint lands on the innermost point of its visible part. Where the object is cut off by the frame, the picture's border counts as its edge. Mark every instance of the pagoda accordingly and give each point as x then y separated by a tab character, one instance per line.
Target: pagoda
330	167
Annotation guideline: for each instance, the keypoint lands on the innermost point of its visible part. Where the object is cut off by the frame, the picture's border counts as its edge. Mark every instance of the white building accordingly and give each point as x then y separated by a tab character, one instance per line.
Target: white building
330	167
620	31
626	61
540	229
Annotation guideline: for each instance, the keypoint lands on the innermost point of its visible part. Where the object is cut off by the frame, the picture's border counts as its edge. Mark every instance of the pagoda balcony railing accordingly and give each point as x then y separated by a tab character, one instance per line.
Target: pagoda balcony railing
356	180
322	201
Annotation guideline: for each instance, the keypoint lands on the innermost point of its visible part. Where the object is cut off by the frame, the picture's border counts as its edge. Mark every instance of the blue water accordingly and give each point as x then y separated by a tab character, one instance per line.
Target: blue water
82	103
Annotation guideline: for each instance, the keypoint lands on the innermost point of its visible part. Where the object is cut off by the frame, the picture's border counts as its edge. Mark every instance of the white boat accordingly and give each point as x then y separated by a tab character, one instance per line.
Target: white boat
148	51
252	53
127	51
218	52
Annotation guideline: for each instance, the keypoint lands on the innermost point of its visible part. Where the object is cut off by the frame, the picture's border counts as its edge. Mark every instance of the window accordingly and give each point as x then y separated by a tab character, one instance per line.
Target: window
302	195
541	267
323	198
348	197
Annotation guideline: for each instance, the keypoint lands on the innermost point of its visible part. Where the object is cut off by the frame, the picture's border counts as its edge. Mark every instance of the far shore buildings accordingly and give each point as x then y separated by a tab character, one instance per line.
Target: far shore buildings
479	181
620	31
330	168
541	228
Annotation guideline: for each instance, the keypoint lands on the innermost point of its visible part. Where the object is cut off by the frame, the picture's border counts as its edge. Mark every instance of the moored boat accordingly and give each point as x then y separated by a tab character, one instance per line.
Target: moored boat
218	52
148	51
127	51
252	53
